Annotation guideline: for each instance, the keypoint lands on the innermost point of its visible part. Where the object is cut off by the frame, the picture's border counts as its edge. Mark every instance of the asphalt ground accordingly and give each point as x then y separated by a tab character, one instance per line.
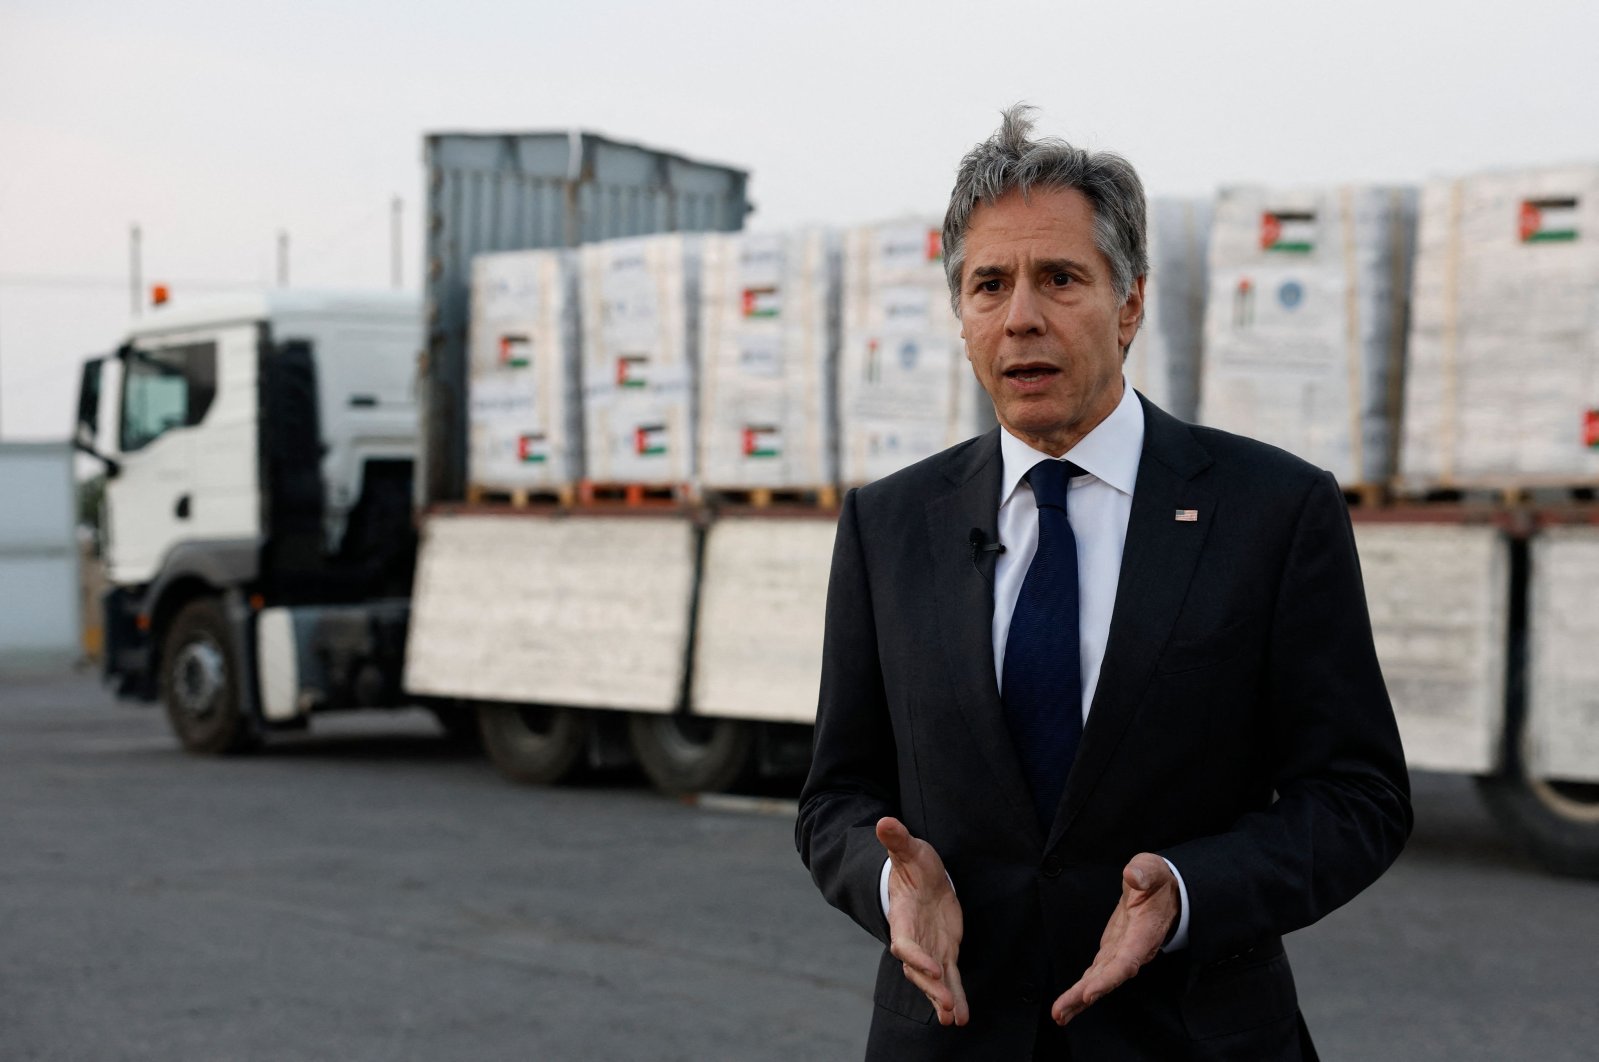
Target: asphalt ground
369	891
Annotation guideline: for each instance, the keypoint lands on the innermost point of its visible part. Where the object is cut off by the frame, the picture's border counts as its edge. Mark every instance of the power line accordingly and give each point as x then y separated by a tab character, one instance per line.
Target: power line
45	280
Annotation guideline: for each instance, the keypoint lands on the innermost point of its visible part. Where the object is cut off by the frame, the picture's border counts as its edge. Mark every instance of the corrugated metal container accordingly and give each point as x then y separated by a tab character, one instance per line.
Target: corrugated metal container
39	625
523	191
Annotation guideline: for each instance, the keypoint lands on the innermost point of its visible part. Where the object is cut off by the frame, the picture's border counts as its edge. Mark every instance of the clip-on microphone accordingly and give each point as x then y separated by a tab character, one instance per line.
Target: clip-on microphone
981	545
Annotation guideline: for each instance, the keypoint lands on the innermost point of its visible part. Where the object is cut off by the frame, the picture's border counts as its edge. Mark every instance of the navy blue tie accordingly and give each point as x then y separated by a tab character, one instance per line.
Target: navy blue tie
1043	676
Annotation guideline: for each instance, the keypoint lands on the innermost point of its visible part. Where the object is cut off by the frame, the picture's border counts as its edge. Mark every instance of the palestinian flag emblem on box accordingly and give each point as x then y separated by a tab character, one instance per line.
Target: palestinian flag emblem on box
762	302
649	440
516	352
1590	429
761	440
532	449
1548	220
1288	232
935	245
630	370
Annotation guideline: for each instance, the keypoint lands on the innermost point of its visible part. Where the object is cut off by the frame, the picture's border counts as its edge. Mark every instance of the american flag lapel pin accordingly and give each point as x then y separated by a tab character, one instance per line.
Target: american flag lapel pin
1188	516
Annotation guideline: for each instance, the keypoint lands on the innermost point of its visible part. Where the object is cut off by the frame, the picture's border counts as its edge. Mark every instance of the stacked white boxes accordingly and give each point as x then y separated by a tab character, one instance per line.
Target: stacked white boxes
525	409
1503	382
769	315
1163	363
1304	325
906	388
640	314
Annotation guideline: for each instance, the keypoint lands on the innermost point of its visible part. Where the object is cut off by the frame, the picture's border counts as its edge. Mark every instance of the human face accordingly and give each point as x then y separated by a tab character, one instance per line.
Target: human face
1043	326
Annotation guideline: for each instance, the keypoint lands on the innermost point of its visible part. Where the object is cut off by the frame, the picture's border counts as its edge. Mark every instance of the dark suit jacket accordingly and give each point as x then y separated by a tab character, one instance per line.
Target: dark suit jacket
1240	728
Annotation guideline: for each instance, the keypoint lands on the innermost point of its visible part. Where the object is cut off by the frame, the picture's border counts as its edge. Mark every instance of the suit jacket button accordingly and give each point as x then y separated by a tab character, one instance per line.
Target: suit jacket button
1028	992
1053	866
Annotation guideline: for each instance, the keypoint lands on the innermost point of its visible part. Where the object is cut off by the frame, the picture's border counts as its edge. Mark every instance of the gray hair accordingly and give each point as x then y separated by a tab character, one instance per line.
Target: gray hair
1008	161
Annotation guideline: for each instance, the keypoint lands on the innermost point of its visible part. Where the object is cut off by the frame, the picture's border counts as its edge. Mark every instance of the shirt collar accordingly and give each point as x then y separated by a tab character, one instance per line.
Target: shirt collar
1110	452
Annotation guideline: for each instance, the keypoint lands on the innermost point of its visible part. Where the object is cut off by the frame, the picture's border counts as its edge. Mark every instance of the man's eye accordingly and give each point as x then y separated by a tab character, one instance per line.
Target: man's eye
1060	280
989	286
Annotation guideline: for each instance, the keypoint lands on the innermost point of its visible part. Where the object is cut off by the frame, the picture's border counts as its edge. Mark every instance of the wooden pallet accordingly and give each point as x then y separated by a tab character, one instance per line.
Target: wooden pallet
767	497
633	495
524	497
1366	495
1506	495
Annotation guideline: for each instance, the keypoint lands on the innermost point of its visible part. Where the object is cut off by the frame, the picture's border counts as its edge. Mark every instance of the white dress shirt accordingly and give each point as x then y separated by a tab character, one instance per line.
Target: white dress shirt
1098	506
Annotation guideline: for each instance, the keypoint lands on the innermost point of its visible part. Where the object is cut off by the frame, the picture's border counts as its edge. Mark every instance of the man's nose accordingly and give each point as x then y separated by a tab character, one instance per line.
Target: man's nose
1023	314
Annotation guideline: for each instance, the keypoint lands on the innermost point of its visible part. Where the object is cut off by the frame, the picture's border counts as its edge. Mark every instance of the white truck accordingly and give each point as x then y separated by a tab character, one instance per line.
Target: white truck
257	530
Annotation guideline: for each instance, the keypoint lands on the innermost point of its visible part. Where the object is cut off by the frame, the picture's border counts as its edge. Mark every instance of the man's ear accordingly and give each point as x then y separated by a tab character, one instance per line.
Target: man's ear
1132	314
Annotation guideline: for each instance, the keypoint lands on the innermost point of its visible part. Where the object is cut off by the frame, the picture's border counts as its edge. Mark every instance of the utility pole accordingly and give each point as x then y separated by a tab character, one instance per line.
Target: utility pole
394	241
283	258
136	269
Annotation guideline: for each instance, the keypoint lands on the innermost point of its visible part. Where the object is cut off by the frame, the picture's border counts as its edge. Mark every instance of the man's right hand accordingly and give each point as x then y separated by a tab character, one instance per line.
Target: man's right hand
924	921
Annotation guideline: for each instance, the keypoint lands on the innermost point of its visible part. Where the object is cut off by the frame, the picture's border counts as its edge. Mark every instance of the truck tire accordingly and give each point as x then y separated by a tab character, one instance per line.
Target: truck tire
1556	822
533	744
691	754
200	679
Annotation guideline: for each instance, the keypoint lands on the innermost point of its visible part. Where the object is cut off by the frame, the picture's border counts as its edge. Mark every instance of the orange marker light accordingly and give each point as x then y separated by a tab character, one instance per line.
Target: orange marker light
158	294
257	602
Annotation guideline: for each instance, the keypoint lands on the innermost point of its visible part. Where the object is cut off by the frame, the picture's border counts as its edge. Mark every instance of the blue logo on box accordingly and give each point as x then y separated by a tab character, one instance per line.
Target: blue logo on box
1291	294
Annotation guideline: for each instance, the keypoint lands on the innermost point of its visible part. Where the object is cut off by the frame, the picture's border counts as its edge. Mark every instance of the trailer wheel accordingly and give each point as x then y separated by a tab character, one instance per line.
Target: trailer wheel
200	682
533	744
1556	822
691	754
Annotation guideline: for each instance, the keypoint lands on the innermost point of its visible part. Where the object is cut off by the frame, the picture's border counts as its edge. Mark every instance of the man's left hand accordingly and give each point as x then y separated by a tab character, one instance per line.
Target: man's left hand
1143	919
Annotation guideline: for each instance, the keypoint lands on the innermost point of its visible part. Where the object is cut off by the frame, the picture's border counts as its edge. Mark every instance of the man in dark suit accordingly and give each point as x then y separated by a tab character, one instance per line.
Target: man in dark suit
1099	697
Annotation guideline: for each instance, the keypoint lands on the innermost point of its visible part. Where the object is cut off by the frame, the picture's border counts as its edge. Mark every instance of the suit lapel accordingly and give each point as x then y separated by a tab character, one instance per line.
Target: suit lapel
1158	562
964	592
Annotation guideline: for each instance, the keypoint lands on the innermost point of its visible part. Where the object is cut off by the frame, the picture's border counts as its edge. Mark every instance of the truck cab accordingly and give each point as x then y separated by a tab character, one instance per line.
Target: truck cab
258	537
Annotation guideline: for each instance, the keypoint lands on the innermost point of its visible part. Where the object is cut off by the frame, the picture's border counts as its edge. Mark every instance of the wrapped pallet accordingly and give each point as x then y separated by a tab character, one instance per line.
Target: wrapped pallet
769	327
640	300
906	389
1502	387
1304	324
1163	363
525	409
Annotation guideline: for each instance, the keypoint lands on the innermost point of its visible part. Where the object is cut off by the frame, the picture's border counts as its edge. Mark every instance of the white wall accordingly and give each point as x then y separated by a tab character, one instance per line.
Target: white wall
39	622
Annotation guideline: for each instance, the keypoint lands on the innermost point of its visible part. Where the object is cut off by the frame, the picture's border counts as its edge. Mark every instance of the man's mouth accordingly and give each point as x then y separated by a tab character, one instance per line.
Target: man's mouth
1031	373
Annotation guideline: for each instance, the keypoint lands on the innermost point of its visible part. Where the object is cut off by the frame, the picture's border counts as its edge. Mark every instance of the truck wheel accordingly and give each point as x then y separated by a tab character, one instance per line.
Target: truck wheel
691	754
200	682
533	744
1556	822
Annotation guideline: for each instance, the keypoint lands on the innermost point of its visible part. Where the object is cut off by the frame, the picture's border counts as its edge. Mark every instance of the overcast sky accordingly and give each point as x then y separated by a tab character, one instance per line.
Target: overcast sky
213	125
